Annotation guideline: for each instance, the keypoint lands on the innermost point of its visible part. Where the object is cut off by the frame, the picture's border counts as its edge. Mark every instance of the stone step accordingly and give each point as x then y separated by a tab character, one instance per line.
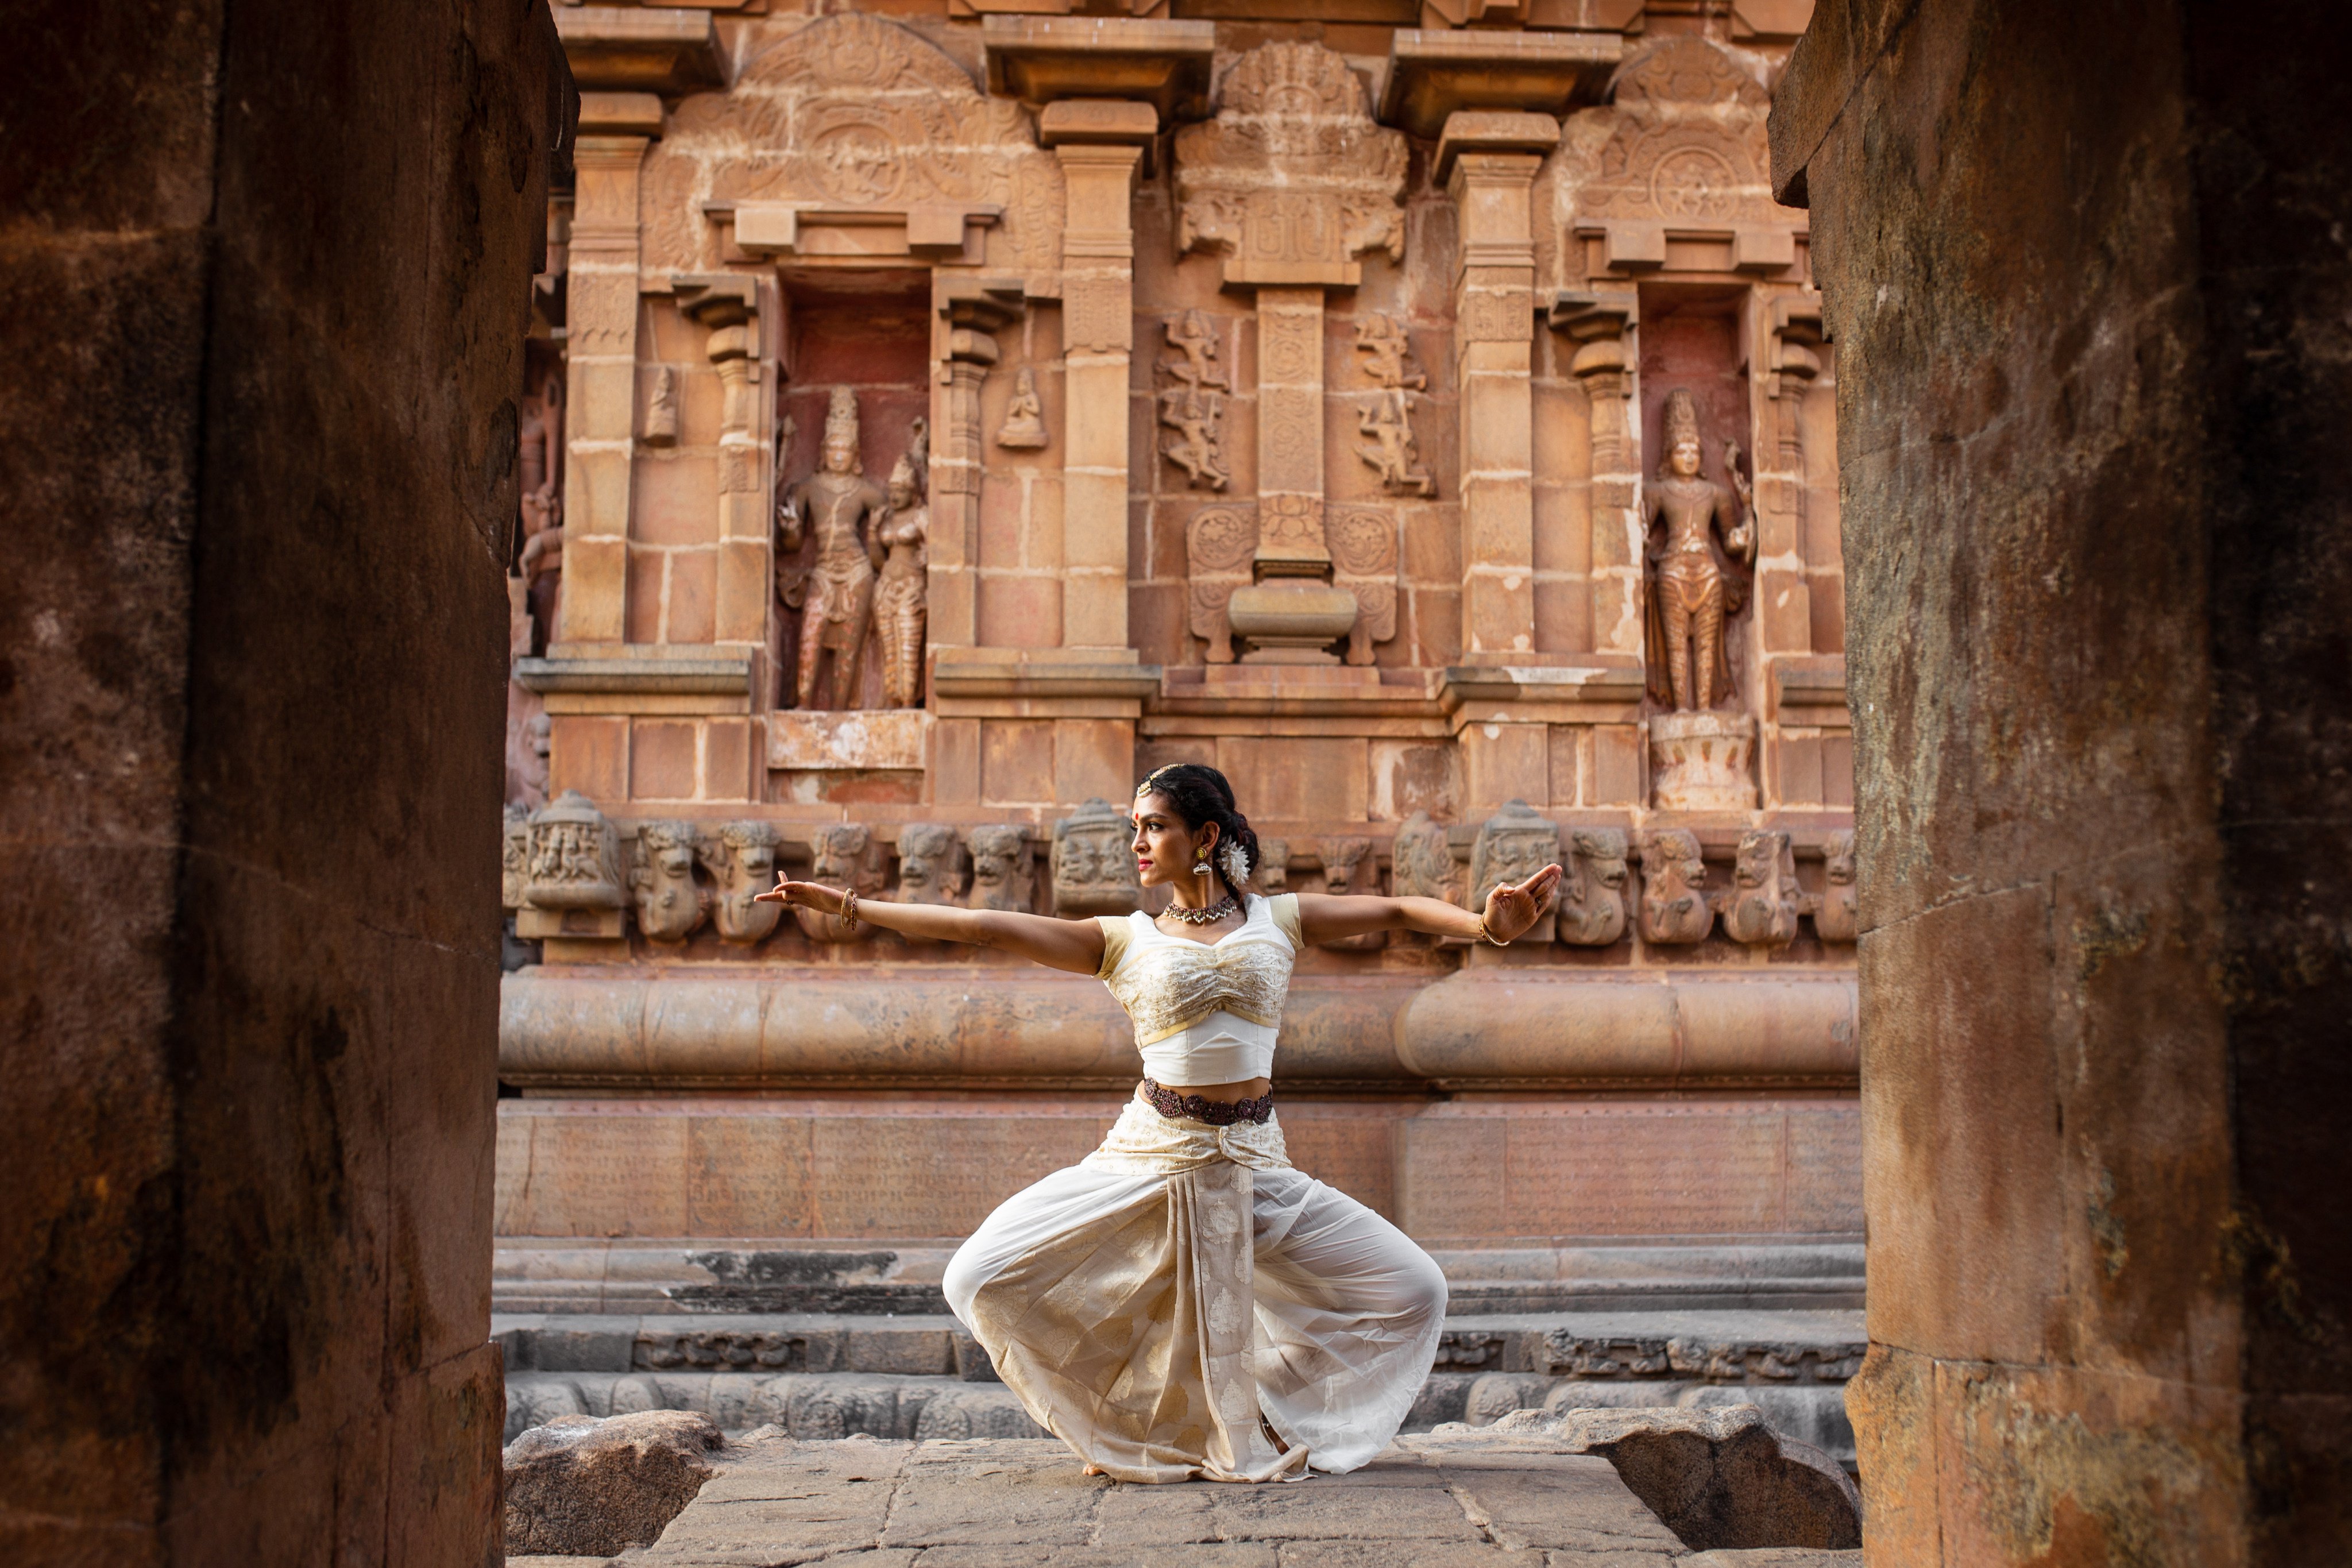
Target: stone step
826	1374
638	1276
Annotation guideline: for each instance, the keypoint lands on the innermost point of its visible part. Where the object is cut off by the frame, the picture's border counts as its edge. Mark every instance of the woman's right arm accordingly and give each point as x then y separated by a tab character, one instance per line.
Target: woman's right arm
1073	945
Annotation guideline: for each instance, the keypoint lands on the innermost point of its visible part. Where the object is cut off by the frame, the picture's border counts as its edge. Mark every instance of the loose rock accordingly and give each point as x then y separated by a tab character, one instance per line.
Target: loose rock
1720	1479
580	1487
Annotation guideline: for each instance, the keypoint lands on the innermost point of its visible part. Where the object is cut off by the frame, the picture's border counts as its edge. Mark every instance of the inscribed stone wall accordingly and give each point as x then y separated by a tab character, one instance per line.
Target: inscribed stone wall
1285	397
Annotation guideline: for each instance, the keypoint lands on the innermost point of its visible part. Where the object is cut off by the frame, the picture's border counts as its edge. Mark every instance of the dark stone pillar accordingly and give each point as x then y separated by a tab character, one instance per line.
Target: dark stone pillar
263	285
2087	269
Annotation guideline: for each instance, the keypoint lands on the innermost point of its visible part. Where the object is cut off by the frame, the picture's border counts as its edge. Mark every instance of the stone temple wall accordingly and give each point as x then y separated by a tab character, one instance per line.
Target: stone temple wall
1292	396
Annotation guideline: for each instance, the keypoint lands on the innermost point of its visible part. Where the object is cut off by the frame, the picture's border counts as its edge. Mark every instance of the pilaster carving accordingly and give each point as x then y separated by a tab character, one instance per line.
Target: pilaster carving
1293	180
669	905
575	857
1675	908
742	862
1001	875
1093	869
1513	844
1193	409
1762	908
1591	909
1219	542
843	857
1838	916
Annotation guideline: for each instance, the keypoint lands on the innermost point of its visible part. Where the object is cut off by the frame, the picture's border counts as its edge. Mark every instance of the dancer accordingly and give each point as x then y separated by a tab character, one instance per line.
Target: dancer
1182	1302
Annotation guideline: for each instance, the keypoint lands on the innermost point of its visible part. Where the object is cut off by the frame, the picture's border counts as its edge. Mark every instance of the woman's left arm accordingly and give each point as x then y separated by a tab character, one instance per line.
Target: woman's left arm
1511	909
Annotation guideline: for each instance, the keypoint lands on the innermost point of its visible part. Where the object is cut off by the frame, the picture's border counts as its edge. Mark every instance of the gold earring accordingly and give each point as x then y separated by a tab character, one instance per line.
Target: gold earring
1202	869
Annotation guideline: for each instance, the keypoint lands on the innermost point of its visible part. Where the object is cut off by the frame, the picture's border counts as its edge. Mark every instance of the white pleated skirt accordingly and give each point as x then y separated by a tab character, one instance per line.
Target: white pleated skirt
1162	1304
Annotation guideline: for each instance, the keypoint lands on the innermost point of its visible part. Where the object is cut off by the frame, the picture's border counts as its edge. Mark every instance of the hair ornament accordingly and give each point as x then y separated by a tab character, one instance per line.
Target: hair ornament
1235	862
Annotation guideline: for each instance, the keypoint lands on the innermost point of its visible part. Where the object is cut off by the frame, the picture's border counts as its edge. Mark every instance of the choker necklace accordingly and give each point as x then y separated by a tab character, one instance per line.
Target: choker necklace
1208	916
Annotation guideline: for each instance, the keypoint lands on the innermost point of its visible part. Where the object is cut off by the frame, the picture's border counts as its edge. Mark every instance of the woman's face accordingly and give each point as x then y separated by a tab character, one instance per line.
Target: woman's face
1164	848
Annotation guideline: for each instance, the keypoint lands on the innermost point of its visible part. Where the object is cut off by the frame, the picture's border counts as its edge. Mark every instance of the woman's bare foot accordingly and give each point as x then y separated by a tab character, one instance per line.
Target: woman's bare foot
1096	1470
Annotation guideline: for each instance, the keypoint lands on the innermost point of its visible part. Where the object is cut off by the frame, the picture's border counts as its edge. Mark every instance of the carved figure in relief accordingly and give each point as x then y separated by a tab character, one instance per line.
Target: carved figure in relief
530	778
1381	338
1422	861
541	458
1195	343
1390	453
1093	874
843	853
1000	869
1513	845
1692	590
1024	429
1349	867
742	861
1837	917
1674	899
1593	897
514	858
669	906
836	501
930	869
1363	543
904	531
1273	874
1762	905
661	407
1193	408
575	857
1219	542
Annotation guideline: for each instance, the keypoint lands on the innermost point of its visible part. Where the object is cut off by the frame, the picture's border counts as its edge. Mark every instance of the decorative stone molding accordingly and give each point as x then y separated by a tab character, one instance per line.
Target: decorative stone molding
1293	180
1094	871
1000	876
1435	73
617	48
1700	762
1513	844
1762	908
661	879
1046	58
1837	916
1592	907
1675	908
741	861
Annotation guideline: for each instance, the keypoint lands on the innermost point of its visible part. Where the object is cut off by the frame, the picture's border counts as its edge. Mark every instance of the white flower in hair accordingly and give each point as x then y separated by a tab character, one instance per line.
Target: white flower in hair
1236	863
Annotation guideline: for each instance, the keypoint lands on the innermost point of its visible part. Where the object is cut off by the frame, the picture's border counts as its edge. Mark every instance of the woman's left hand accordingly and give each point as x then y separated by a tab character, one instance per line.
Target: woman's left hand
1513	907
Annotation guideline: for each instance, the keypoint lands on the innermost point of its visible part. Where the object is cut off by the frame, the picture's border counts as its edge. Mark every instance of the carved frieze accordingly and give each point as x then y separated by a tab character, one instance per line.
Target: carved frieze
1219	542
1094	865
1293	180
1591	909
1513	844
1000	876
669	905
1762	908
575	857
1837	917
843	857
1675	908
741	861
1192	406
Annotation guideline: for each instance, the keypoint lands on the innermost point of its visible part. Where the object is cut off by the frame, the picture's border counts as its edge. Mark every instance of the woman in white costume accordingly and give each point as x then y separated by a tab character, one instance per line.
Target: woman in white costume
1183	1303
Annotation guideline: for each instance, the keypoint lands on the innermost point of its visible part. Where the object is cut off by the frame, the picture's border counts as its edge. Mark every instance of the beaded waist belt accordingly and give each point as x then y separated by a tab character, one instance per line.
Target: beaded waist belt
1176	1104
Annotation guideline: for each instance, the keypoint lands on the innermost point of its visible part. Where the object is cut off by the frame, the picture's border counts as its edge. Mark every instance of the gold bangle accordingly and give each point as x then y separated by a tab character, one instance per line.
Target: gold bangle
1487	936
848	916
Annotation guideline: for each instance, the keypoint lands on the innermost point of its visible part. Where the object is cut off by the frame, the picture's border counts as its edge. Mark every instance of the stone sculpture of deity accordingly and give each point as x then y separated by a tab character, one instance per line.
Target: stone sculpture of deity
836	501
1692	591
1673	896
1024	429
1592	911
669	905
904	531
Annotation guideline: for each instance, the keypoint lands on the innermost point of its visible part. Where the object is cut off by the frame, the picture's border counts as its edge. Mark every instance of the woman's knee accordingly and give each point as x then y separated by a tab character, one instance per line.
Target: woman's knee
1425	1289
963	1282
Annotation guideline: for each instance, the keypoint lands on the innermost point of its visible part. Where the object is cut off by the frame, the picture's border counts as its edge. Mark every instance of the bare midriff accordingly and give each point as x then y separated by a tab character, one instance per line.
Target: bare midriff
1223	1093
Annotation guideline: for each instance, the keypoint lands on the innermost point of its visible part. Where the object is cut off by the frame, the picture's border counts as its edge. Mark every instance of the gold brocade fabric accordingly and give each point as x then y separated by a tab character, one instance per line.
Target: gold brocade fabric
1129	1334
1167	983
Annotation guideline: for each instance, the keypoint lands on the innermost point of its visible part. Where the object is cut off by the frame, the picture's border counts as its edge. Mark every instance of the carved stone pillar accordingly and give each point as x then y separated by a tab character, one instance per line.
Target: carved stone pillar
1598	323
730	308
601	389
1100	142
1491	160
953	579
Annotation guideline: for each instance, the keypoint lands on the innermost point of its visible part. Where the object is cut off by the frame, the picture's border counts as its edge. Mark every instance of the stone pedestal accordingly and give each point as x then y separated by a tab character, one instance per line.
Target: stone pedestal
1700	762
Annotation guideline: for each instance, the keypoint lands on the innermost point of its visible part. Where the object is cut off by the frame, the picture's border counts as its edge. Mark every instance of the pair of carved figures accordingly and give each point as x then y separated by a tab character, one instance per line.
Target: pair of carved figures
987	869
1694	531
872	555
1193	409
568	856
1672	906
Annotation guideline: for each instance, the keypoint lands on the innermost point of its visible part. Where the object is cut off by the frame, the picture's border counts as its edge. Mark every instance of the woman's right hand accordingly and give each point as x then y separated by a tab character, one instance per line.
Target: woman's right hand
808	895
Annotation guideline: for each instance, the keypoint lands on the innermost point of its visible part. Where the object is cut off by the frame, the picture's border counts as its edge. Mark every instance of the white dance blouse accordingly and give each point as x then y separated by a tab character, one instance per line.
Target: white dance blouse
1204	1011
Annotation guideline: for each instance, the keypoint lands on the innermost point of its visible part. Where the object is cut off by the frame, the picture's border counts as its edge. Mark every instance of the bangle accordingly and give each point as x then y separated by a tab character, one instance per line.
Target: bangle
1487	936
848	916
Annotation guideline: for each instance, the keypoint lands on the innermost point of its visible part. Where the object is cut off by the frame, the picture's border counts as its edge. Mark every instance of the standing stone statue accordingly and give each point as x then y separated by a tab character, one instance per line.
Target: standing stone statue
904	531
837	500
1692	590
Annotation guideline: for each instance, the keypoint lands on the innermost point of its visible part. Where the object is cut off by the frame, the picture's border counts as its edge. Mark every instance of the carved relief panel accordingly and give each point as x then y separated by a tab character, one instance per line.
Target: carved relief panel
741	861
669	905
1001	875
1675	908
1513	844
1592	907
843	857
1093	869
1762	905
